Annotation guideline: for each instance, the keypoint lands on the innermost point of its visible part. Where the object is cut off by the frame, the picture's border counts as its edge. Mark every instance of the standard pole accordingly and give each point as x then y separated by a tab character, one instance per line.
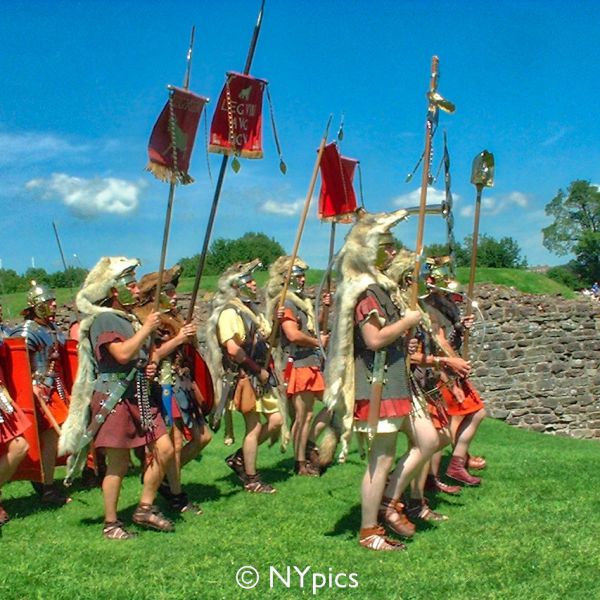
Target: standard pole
217	194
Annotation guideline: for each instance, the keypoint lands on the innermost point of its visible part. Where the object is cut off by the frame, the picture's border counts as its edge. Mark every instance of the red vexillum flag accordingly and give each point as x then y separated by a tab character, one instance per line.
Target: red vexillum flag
236	127
172	139
337	200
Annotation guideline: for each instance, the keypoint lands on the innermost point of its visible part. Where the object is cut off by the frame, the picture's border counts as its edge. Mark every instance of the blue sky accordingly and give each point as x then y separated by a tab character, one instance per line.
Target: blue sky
83	83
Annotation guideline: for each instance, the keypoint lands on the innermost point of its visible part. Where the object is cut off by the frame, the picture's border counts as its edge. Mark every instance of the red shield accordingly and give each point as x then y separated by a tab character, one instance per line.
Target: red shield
68	359
15	362
202	378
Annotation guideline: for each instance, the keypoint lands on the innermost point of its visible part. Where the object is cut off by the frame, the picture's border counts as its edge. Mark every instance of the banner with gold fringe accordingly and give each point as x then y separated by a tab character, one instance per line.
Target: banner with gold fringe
172	139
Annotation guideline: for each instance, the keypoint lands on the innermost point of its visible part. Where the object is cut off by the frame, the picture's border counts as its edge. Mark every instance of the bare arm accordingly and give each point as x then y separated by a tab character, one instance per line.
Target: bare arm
126	350
377	337
238	355
167	347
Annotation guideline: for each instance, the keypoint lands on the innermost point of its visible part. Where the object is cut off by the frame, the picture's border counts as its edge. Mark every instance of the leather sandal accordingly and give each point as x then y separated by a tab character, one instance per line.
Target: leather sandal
476	463
235	462
418	508
312	454
391	512
116	531
306	469
435	484
181	503
374	538
4	516
255	485
149	516
52	497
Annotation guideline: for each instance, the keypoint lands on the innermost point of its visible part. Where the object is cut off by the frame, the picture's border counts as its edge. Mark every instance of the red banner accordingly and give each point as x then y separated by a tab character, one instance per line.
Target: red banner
337	200
236	127
173	135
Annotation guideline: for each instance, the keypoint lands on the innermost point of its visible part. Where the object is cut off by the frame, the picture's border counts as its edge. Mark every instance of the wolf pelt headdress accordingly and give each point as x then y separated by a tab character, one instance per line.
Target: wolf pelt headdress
227	294
95	290
356	269
277	275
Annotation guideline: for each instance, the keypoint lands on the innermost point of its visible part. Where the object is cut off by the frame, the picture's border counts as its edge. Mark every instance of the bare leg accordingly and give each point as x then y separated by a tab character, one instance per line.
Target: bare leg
174	466
271	427
322	419
116	469
251	441
162	454
201	437
423	443
16	451
381	459
466	432
304	403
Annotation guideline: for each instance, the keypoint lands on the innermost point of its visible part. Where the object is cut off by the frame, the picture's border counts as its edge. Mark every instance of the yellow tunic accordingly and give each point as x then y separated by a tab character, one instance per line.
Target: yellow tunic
231	327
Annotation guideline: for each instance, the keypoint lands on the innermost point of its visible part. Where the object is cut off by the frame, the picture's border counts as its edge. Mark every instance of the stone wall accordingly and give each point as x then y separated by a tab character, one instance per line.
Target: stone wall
538	364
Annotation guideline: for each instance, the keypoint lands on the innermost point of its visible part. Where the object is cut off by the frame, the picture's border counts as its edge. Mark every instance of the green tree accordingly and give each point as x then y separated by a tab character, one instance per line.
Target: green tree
576	227
225	252
504	253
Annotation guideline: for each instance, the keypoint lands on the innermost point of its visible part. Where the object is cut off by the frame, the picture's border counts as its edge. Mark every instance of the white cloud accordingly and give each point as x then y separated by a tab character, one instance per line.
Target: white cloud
492	205
282	209
30	148
414	198
88	198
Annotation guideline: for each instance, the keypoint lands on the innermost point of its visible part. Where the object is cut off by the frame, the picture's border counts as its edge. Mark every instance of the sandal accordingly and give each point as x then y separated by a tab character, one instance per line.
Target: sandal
256	486
4	516
477	463
52	497
117	531
182	504
391	512
148	515
312	454
306	468
374	538
165	491
235	462
419	509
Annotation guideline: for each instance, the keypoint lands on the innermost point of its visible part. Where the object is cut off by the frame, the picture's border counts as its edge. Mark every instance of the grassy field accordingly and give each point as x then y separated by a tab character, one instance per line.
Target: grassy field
530	531
525	281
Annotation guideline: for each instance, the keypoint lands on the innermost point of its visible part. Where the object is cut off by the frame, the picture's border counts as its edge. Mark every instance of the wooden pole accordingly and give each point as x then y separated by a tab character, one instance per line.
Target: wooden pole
424	182
219	186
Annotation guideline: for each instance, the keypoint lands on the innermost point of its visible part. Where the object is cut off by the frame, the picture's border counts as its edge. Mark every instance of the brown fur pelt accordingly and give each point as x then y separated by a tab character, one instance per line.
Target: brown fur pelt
147	284
356	271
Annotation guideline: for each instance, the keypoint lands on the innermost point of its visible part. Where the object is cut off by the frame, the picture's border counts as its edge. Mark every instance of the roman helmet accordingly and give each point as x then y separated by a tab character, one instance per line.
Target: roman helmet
39	298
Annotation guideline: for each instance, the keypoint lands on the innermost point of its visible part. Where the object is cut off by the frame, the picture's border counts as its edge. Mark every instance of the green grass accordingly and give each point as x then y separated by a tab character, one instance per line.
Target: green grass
530	531
522	280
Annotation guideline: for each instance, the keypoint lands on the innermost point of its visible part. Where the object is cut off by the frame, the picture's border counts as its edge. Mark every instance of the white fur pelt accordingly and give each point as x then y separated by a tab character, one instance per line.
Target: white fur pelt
96	287
356	272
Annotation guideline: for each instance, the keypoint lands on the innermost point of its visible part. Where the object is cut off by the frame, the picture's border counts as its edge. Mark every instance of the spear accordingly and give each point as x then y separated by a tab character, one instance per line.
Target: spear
436	101
309	195
165	241
482	175
219	186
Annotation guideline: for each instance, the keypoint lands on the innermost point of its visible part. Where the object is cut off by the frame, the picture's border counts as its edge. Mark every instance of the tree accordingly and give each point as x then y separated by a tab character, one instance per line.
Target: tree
224	252
576	227
504	253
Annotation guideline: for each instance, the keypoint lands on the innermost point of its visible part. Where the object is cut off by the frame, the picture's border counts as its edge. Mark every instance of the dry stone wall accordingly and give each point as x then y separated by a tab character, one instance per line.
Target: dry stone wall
538	364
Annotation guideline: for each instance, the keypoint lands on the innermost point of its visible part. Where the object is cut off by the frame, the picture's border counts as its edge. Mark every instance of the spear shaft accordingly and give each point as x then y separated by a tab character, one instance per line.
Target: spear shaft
219	186
167	228
424	182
